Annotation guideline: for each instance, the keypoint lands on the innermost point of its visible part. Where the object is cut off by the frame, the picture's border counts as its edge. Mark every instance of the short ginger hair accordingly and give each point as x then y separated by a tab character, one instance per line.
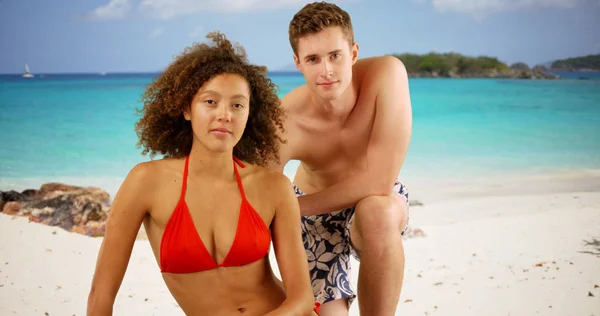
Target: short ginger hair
162	129
315	17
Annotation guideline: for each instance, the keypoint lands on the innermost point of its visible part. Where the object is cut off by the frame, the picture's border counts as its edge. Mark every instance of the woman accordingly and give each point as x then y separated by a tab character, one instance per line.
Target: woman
210	206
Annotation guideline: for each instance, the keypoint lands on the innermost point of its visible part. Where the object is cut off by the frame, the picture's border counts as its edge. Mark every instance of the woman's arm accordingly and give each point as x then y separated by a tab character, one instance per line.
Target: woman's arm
124	220
289	250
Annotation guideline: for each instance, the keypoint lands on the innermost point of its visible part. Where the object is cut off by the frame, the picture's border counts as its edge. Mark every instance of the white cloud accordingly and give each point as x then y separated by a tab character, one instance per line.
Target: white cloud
167	9
156	33
198	32
482	8
115	9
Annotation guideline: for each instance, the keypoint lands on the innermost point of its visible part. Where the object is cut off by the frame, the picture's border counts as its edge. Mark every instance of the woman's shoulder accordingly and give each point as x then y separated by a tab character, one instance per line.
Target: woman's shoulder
149	172
267	178
267	189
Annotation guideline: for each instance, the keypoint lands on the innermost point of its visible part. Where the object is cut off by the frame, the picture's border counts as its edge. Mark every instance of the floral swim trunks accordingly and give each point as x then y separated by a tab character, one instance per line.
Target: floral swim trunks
326	239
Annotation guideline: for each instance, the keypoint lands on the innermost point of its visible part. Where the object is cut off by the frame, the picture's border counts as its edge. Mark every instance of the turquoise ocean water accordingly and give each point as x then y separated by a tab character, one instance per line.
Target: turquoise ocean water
80	127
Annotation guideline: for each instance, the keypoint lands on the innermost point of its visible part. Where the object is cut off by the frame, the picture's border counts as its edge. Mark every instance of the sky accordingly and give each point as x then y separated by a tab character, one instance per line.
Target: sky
74	36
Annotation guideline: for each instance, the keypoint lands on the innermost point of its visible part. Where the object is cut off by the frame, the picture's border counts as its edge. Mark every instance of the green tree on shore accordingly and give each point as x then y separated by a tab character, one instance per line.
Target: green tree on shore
590	62
444	64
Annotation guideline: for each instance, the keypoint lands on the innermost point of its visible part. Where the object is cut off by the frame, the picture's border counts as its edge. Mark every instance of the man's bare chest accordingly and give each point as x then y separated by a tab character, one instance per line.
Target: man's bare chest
319	142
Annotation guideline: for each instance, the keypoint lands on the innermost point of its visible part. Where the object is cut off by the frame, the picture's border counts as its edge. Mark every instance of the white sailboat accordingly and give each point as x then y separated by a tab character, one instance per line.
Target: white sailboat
27	73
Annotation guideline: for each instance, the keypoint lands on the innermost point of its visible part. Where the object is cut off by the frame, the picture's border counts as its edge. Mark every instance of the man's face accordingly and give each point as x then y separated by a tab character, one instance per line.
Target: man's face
326	58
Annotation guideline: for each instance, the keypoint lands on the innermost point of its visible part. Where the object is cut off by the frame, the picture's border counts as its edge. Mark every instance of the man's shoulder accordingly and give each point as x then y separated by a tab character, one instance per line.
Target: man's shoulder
376	73
378	63
379	67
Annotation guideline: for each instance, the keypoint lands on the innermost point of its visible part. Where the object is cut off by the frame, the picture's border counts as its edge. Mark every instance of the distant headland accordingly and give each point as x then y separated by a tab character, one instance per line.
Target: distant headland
577	64
454	65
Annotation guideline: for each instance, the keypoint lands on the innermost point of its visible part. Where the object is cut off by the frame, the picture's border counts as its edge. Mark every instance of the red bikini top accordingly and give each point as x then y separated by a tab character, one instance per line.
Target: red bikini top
182	250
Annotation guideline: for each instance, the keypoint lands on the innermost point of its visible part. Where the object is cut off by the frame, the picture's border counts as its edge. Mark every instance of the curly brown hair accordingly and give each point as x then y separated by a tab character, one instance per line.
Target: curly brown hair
316	16
163	128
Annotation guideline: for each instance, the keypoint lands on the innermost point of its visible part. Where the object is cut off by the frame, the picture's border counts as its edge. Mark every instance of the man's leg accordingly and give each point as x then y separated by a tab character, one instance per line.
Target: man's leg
376	233
327	248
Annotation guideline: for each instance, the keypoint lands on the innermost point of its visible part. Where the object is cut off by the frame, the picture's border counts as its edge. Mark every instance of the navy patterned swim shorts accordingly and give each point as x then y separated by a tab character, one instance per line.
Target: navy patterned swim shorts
326	239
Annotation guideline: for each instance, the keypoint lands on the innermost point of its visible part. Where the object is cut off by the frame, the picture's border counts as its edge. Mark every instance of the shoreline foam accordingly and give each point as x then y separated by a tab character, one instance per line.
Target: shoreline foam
425	188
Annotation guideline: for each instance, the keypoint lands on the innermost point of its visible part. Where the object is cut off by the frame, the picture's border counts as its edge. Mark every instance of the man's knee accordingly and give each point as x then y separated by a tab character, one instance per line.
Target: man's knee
381	215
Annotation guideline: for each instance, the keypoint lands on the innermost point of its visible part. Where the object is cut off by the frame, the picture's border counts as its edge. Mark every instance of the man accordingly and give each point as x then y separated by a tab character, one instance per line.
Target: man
350	127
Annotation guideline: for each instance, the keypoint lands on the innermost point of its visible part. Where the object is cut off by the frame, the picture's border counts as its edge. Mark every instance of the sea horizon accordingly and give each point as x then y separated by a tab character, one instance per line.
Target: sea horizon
276	72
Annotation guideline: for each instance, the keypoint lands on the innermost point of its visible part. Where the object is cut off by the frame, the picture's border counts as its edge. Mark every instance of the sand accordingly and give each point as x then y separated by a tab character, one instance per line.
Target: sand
529	247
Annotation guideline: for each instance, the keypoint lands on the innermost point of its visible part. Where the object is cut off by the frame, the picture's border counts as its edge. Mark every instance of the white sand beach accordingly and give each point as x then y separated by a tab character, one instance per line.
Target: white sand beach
491	248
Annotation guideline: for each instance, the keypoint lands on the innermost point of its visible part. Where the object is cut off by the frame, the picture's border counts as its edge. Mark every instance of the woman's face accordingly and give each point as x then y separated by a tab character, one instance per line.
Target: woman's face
219	112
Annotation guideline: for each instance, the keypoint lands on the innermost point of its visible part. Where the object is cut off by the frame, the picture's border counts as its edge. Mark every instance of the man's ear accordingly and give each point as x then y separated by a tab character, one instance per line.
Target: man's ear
355	49
297	63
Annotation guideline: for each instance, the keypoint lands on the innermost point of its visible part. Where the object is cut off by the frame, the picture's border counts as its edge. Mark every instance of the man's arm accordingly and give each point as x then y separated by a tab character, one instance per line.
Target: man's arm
387	146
